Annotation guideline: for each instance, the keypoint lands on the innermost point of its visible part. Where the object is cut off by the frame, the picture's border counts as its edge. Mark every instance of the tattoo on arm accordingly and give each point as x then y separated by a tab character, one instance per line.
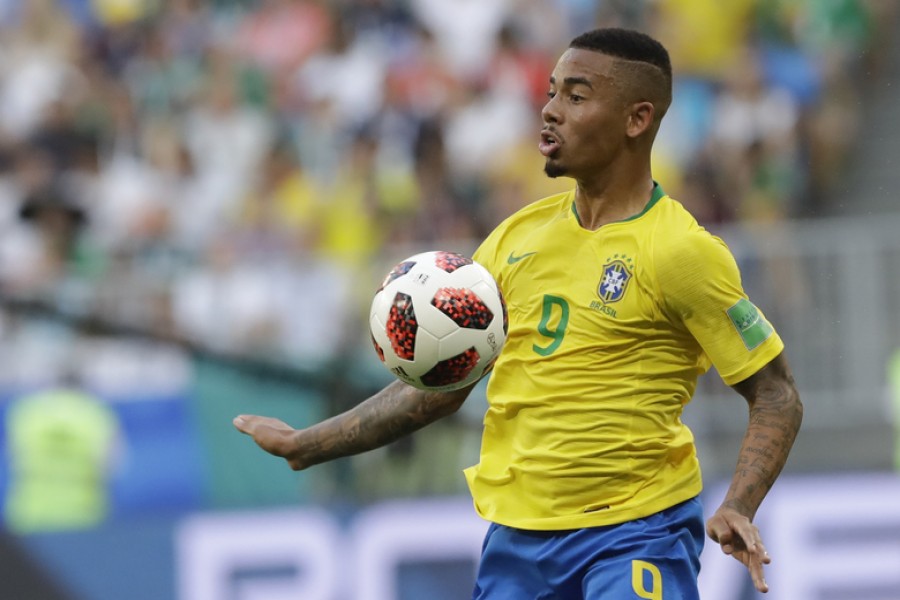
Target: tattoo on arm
775	416
394	412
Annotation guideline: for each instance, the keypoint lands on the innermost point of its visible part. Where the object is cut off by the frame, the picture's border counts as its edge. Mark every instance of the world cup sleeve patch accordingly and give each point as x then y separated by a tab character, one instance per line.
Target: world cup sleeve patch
752	327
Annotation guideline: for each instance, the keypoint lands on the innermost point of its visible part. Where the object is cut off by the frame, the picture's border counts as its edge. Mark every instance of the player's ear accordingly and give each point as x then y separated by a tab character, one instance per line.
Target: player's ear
640	118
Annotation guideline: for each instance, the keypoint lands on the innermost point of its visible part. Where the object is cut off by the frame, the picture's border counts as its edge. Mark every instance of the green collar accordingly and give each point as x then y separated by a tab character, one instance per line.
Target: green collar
655	196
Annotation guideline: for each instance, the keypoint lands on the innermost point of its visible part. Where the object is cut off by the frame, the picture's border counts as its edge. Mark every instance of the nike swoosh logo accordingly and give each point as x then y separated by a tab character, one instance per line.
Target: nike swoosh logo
514	259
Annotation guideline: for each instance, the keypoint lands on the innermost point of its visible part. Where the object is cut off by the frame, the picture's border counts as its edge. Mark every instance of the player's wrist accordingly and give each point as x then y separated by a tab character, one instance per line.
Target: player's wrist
741	506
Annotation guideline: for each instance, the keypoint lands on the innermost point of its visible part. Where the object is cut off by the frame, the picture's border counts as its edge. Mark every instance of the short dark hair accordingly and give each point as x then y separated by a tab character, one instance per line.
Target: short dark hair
633	46
627	44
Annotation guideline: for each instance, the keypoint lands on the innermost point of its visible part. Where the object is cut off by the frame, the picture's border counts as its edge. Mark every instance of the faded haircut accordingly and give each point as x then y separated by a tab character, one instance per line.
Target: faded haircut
645	61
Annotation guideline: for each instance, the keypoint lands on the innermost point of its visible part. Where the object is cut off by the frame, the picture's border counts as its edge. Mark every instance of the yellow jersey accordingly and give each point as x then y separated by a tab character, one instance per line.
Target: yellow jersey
608	333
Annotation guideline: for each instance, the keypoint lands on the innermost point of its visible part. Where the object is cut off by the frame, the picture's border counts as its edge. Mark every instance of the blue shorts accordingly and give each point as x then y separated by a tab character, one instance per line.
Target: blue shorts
654	558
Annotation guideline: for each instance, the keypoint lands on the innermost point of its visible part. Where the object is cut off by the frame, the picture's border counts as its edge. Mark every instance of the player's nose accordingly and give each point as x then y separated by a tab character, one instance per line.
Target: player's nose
550	112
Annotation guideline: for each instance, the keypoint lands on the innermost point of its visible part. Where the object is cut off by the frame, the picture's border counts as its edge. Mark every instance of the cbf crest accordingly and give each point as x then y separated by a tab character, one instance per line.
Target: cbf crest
616	276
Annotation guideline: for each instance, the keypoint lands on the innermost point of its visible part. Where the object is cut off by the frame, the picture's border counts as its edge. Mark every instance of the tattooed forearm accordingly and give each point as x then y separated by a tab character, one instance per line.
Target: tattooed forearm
775	416
392	413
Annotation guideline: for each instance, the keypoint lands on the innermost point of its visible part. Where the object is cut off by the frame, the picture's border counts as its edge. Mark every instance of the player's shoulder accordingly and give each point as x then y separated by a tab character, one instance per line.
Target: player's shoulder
547	208
533	216
523	223
682	245
678	229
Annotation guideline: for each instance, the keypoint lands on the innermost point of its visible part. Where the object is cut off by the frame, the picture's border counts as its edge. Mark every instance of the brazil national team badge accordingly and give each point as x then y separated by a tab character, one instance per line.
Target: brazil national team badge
614	282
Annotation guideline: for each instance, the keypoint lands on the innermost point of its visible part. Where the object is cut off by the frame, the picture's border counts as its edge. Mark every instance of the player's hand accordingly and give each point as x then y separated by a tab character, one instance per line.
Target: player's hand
272	435
740	538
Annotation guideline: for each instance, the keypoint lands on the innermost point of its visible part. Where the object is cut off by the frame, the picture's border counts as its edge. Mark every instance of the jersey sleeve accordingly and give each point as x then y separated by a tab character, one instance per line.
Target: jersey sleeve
701	285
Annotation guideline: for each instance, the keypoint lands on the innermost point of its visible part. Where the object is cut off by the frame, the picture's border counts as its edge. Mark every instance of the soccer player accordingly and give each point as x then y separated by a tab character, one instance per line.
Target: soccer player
617	301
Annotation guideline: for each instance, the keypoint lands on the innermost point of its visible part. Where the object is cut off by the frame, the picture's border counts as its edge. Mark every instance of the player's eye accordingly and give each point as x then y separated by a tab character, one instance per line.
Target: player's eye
575	98
551	94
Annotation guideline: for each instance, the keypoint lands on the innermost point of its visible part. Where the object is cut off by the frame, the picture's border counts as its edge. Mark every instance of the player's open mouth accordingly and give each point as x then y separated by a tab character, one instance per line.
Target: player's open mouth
549	143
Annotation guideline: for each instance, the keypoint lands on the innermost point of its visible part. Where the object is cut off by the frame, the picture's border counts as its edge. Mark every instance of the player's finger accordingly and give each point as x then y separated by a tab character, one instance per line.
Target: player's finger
764	557
726	542
753	541
244	423
754	555
719	532
755	565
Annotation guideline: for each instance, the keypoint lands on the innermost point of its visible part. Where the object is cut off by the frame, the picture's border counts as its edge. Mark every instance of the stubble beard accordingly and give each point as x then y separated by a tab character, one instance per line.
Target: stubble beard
554	170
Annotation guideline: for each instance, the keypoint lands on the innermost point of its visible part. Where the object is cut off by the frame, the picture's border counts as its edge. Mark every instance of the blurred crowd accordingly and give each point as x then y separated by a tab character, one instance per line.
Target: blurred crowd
240	173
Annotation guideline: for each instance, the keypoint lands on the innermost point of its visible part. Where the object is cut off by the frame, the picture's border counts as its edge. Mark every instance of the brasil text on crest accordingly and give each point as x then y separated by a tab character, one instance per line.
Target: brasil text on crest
613	284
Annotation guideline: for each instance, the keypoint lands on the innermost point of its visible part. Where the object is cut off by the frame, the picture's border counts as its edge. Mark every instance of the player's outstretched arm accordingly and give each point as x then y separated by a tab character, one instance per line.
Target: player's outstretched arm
775	416
397	410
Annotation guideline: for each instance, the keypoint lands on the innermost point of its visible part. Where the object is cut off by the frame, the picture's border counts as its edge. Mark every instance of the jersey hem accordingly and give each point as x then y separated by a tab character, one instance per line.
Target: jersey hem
598	518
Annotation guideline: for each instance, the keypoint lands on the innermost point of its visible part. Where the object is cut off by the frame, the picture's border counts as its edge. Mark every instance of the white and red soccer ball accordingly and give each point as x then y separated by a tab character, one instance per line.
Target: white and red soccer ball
438	321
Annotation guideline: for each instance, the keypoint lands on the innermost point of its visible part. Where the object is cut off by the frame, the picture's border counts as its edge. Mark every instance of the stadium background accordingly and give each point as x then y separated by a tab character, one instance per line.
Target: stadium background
197	200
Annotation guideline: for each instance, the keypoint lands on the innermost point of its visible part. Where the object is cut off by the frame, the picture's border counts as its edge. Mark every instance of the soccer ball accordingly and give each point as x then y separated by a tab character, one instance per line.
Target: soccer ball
438	321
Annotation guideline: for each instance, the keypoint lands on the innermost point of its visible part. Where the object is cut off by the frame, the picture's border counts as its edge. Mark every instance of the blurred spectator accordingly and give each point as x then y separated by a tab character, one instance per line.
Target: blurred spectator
353	226
34	64
134	190
187	28
225	289
284	204
420	79
754	138
387	23
279	35
349	72
465	30
519	68
58	222
119	12
539	28
226	138
704	37
319	136
702	193
60	137
484	124
446	209
160	80
317	302
49	249
515	177
62	445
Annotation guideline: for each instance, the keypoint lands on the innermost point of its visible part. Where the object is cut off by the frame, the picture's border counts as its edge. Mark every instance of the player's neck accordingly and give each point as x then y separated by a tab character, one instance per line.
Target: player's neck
600	203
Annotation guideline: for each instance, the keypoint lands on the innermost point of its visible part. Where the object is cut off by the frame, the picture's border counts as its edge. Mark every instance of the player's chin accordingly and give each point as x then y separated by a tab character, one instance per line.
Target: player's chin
553	168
